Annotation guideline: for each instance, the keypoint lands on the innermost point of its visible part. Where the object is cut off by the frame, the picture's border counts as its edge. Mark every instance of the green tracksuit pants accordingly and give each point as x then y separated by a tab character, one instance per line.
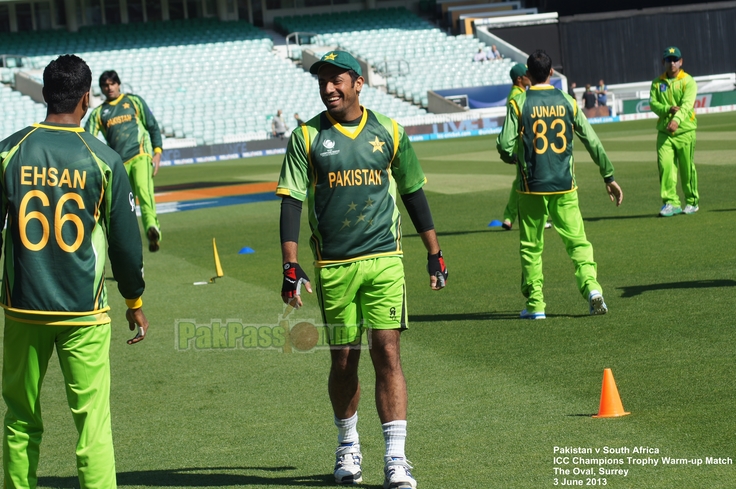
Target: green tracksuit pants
512	207
564	211
140	174
673	153
84	356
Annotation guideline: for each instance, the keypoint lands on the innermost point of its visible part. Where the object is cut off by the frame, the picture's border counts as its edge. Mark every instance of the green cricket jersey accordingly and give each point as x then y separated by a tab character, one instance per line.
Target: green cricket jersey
67	199
515	90
350	177
681	92
128	126
545	120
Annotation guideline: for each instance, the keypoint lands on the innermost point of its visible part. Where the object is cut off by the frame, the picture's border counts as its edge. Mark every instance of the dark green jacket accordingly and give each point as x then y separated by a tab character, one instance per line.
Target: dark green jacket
545	120
68	202
128	125
351	178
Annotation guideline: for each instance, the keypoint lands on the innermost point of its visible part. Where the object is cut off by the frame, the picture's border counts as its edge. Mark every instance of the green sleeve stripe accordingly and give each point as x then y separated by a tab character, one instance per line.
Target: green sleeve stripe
138	109
396	139
515	106
308	149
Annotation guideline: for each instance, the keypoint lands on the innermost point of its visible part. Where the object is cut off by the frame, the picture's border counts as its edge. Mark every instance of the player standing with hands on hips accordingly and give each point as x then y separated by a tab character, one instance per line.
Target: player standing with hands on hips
546	120
672	98
349	163
67	198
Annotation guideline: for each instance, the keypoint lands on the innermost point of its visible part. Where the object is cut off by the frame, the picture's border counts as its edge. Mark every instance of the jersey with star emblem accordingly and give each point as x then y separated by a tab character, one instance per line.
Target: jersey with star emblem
128	125
350	177
67	200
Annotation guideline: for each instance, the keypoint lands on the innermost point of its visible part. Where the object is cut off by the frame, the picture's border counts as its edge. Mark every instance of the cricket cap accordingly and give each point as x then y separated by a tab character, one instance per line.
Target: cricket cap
519	69
671	51
341	59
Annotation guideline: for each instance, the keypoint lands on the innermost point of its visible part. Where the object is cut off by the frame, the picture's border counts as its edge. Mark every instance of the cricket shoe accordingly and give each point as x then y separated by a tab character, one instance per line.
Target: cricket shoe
669	210
398	474
690	209
507	224
532	315
347	464
548	225
597	305
154	236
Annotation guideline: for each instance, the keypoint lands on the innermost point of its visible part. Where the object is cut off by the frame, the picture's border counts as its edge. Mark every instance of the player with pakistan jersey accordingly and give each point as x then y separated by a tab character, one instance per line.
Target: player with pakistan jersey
672	98
67	200
544	121
350	164
130	128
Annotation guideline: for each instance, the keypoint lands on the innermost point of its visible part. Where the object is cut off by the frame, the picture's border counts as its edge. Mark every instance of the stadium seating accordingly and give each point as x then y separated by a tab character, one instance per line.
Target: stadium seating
18	111
436	61
205	80
214	82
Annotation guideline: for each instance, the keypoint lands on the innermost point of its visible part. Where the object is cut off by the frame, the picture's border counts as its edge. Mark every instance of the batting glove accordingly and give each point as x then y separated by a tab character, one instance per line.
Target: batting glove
436	268
294	277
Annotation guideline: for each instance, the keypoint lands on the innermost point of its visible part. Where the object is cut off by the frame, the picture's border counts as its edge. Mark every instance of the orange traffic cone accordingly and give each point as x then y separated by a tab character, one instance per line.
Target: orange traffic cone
611	406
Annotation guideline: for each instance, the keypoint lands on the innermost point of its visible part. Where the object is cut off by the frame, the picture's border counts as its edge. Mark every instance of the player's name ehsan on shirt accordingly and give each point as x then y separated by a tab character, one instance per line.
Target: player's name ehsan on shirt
68	201
35	176
350	175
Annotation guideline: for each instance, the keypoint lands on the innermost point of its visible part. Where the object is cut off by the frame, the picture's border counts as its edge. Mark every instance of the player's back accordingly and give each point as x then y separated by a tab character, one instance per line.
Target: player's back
547	117
53	187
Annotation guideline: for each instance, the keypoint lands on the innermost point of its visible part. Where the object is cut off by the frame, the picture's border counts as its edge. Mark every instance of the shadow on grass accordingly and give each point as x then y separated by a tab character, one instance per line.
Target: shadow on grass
481	316
634	290
616	218
457	233
202	477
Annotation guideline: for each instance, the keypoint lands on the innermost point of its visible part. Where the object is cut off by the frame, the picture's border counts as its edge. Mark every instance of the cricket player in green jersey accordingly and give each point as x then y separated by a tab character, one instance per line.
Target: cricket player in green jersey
349	163
520	84
67	199
537	136
672	98
130	128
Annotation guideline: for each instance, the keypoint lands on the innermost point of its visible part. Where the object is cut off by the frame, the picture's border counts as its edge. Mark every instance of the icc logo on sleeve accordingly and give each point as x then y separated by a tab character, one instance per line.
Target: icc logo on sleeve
131	200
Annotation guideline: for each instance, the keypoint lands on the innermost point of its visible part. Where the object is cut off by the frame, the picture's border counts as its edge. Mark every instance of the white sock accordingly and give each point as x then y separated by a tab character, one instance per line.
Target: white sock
347	429
394	433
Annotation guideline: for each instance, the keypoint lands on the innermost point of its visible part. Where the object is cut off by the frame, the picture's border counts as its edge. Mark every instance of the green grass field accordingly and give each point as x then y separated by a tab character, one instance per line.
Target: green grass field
490	396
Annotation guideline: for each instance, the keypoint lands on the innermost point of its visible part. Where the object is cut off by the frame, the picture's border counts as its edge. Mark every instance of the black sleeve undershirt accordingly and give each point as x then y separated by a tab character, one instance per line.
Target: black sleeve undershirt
418	208
291	214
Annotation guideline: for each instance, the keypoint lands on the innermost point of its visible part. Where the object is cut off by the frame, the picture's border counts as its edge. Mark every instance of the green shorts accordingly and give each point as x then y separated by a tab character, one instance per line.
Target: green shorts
362	295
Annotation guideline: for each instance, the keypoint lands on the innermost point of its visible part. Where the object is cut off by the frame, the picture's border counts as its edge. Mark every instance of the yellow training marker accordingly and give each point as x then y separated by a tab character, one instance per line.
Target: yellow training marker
218	267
